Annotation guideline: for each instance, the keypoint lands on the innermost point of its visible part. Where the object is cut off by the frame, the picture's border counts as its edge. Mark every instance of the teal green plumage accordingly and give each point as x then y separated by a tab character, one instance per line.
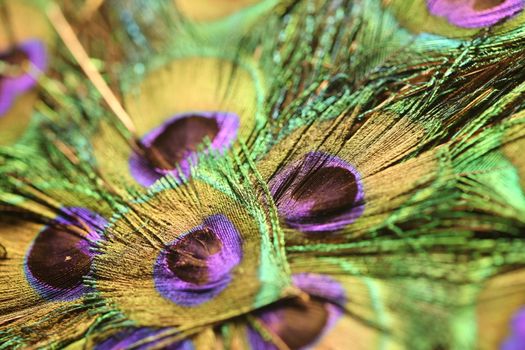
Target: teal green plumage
327	174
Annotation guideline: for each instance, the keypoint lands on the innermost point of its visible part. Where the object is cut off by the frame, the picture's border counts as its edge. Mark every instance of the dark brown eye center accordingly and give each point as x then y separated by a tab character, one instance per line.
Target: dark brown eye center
187	257
332	190
57	260
180	138
17	61
481	5
301	323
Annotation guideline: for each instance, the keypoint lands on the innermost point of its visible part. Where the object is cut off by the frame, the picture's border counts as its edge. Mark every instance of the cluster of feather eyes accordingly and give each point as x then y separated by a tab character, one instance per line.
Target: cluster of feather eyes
262	174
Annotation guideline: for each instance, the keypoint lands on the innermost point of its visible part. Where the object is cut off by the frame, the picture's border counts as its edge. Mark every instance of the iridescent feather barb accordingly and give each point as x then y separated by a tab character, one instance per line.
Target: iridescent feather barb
306	174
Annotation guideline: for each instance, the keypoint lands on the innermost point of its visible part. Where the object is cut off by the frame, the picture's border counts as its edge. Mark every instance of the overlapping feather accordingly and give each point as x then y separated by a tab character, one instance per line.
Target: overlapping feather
338	181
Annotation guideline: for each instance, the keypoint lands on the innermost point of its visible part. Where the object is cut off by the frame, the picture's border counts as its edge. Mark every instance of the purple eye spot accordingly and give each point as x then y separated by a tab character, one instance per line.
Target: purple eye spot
301	323
188	258
319	193
197	265
60	257
175	143
517	336
298	324
475	13
22	66
179	138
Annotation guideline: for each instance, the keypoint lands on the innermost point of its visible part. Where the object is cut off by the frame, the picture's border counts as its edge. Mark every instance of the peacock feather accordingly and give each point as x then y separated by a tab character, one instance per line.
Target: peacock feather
262	174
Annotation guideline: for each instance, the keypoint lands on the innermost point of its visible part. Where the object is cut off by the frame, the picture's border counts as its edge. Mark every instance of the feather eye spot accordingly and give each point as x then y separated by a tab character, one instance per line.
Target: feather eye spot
59	256
187	257
480	5
299	323
175	143
296	323
198	264
20	66
178	138
475	13
319	193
